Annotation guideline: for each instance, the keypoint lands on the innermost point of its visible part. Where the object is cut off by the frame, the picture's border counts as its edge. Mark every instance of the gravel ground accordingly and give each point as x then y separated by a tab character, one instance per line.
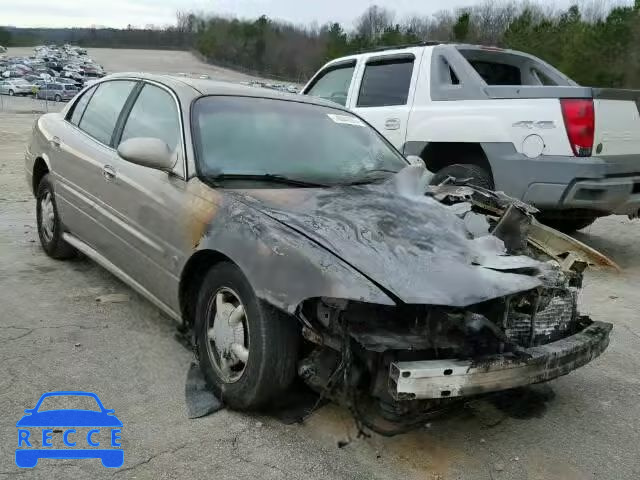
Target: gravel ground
54	336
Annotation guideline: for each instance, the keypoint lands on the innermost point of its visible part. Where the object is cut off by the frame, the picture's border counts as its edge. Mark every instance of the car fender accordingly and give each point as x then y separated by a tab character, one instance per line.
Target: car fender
283	266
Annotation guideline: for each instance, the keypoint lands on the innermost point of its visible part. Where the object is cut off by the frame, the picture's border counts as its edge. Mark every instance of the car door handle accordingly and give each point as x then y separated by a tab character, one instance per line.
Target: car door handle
392	124
108	172
55	142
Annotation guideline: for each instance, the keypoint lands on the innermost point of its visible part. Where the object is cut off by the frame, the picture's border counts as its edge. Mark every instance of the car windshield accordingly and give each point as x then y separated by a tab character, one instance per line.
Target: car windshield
241	136
20	81
64	402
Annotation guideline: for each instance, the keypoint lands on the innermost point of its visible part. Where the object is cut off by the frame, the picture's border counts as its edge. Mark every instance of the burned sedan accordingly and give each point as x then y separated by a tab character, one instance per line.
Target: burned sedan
292	239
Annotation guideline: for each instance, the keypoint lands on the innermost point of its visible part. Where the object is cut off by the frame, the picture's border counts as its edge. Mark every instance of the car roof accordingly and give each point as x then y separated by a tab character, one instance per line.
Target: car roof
203	87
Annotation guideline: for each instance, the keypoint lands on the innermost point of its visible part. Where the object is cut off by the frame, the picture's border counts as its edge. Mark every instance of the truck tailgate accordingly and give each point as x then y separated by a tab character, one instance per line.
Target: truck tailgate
617	126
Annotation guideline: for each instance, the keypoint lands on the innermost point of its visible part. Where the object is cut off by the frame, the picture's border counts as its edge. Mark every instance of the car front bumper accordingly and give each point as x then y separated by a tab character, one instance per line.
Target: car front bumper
432	379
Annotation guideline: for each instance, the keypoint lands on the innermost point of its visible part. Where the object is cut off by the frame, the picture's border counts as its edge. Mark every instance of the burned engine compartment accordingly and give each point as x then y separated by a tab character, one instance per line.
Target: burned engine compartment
355	350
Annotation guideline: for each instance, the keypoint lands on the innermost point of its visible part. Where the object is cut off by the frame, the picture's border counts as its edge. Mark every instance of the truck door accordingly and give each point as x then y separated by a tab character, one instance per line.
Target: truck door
384	95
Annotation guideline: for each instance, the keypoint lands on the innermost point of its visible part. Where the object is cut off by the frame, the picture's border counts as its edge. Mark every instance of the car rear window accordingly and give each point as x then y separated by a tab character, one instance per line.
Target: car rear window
102	112
155	115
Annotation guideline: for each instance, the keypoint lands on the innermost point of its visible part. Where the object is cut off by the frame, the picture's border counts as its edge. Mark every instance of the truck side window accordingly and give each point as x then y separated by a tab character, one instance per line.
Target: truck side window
334	84
386	83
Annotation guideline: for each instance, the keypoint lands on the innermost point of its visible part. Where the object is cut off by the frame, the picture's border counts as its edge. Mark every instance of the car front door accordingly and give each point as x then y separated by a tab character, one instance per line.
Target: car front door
149	204
385	94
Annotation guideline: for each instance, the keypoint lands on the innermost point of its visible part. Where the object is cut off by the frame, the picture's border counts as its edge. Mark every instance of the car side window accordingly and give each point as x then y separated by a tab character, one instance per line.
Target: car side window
155	114
334	84
386	82
102	112
80	105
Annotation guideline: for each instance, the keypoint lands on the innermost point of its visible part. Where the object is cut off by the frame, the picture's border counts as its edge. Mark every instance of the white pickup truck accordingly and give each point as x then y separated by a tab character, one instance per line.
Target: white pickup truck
507	119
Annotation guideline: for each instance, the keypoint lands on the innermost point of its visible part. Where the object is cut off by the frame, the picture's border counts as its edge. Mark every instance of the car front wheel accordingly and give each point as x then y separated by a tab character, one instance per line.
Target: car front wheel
11	93
248	350
58	98
50	227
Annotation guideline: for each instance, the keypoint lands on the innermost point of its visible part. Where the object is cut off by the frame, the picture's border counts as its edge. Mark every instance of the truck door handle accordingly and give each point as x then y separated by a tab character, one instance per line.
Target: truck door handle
108	172
392	124
55	142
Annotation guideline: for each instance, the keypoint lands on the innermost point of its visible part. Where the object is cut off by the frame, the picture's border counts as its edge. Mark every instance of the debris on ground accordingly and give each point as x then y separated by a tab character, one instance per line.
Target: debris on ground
200	400
113	298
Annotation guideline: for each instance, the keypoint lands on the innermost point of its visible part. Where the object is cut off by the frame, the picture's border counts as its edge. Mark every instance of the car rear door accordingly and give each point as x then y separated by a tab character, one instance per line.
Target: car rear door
384	93
82	154
148	204
48	91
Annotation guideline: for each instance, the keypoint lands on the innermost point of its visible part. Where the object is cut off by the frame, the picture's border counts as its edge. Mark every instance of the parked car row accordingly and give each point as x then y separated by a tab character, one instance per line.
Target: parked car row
54	73
281	87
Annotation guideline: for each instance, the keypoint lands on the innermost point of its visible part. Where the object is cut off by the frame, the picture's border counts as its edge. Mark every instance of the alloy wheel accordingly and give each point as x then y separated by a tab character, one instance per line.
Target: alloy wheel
47	217
228	335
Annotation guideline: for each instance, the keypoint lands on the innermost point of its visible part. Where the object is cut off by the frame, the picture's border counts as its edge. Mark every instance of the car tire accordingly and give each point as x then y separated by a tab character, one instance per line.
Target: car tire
270	337
57	98
11	93
567	223
478	176
50	228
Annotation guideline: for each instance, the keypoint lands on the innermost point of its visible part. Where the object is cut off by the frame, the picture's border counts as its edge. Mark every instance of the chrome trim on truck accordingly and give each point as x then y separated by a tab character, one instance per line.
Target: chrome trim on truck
457	378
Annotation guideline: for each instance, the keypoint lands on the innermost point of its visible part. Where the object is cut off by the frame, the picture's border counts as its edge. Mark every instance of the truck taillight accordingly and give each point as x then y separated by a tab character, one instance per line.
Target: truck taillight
580	122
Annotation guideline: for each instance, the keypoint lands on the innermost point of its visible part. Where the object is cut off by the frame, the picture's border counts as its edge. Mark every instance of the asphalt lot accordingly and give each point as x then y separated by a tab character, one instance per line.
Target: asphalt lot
54	335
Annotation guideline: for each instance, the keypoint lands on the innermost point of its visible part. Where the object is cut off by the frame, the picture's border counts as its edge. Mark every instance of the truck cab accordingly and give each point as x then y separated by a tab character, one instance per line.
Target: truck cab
508	119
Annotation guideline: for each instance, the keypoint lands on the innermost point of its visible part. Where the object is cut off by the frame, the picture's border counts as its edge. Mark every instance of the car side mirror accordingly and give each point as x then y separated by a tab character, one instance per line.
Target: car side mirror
415	161
148	152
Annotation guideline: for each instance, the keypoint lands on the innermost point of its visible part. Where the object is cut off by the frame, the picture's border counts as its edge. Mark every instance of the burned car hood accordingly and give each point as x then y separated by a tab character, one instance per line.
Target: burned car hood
414	248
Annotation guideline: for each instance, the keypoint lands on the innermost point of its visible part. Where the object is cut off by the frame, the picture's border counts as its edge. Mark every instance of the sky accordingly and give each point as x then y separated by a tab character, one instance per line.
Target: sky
139	13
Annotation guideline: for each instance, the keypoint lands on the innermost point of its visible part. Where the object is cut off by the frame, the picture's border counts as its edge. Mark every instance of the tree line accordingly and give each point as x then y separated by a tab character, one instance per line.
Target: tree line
147	37
595	43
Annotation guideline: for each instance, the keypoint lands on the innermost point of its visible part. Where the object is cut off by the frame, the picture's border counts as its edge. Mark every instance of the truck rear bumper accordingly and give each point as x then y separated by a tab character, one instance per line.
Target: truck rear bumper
609	184
432	379
619	195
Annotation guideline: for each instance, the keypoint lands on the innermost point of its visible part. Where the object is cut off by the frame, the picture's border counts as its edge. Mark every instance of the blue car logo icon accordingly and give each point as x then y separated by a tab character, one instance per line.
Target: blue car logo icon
85	433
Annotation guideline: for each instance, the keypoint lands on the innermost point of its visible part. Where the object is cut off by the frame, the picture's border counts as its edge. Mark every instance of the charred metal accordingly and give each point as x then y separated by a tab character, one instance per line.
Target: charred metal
410	295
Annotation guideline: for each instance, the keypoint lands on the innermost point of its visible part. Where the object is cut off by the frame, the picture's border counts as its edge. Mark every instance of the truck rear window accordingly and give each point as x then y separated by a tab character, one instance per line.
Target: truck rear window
497	73
503	67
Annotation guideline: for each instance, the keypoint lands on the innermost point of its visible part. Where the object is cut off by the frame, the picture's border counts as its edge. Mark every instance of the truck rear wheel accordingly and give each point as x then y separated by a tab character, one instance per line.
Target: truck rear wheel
567	222
478	176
